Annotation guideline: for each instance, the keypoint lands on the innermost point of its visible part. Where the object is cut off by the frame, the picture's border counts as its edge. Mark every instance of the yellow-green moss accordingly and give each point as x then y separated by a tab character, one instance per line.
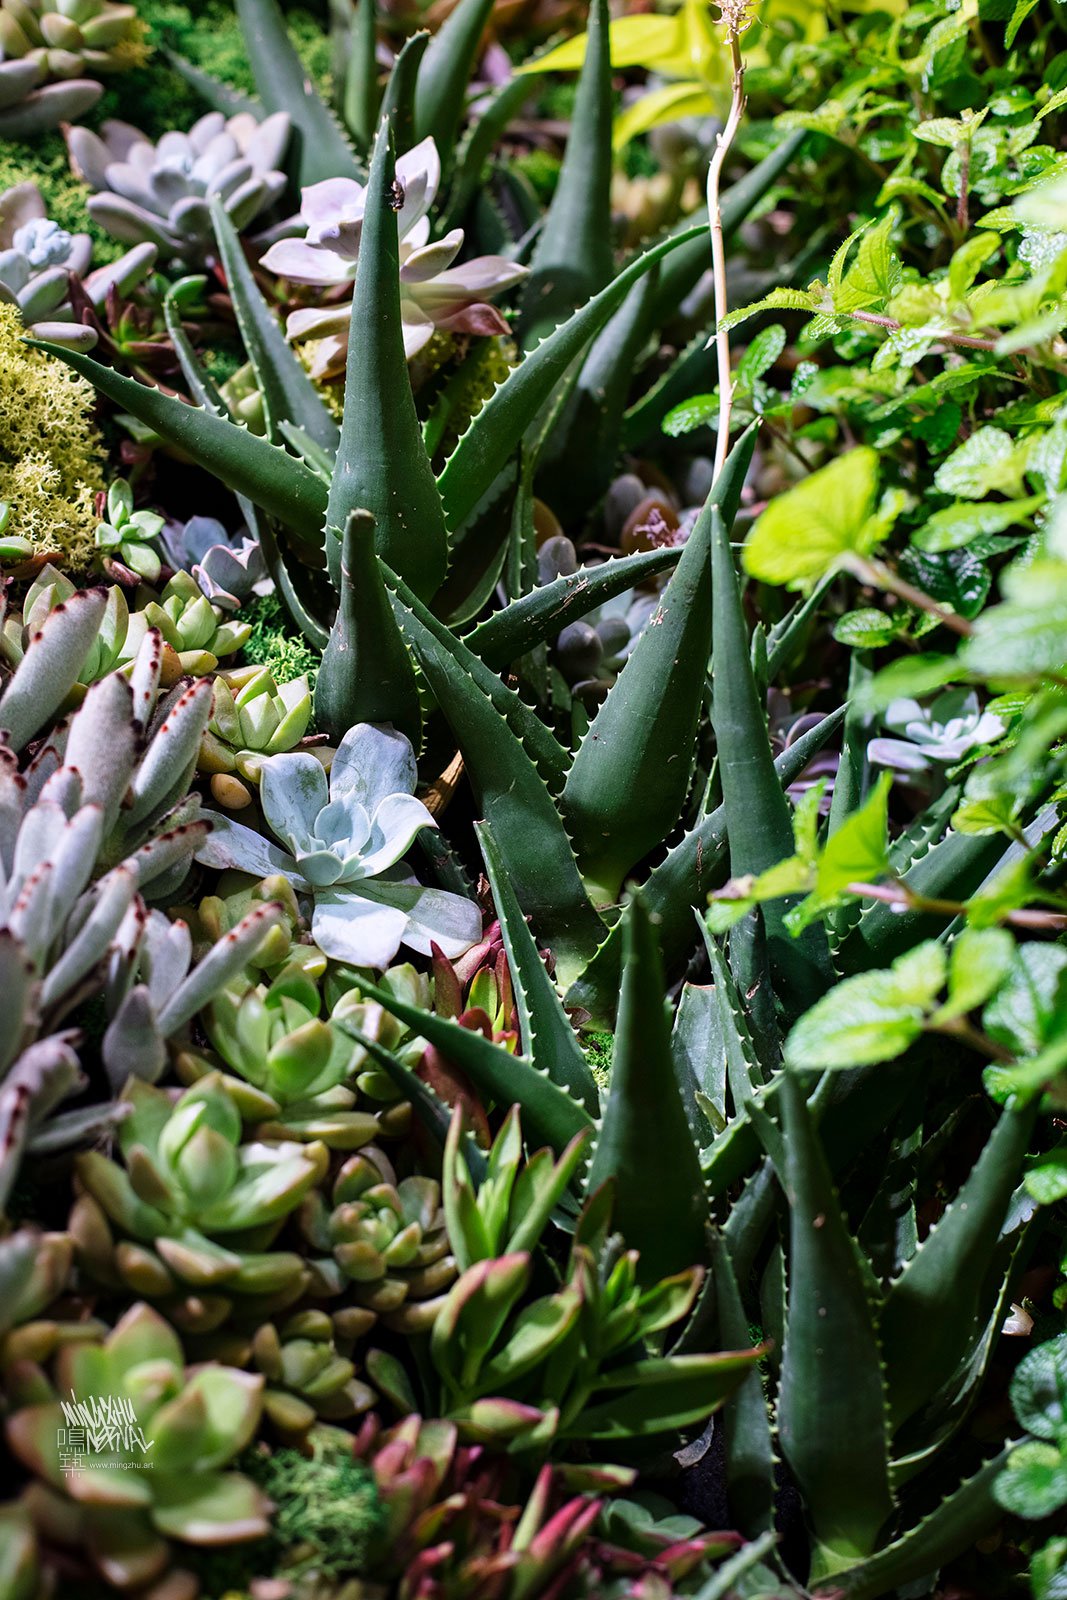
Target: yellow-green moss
51	455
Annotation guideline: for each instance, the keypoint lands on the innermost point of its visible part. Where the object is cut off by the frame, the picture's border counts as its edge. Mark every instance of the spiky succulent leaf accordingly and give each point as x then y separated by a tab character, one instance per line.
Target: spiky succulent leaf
382	466
645	1145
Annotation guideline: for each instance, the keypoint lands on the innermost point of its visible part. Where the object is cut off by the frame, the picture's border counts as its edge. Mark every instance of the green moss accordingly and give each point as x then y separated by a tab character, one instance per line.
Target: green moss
43	161
599	1049
328	1510
208	35
51	455
273	642
541	170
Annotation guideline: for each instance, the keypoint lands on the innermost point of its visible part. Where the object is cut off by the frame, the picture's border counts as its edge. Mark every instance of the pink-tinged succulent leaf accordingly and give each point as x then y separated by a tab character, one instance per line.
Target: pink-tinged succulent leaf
143	1335
125	1546
218	1508
663	1394
473	1316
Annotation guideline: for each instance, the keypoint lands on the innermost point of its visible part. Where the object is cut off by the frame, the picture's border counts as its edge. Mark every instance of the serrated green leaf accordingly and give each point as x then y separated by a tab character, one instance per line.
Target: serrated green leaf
548	1112
288	393
366	673
874	1016
644	1144
495	432
320	149
382	466
807	532
445	75
747	1423
935	1308
500	753
547	1038
247	465
831	1408
630	777
362	95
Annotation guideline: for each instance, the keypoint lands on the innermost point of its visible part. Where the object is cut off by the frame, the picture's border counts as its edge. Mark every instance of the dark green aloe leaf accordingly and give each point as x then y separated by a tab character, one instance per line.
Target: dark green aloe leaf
629	780
644	1142
549	1114
217	95
547	1038
746	1424
362	92
758	818
683	271
832	1404
934	1308
429	637
689	1389
537	616
494	434
960	1519
288	393
682	882
572	260
321	149
493	729
585	440
264	473
382	466
398	101
744	1074
445	76
477	147
366	673
700	1060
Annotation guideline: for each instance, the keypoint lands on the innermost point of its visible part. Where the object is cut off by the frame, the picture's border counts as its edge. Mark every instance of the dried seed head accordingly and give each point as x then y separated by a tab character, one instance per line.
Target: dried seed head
736	15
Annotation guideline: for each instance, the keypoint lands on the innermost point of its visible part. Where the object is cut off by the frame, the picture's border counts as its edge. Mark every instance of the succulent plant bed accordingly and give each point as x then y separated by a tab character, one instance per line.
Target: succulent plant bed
533	799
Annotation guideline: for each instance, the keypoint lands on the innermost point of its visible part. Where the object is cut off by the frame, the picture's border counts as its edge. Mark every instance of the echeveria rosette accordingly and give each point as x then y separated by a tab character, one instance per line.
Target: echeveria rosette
166	1480
344	840
433	292
938	735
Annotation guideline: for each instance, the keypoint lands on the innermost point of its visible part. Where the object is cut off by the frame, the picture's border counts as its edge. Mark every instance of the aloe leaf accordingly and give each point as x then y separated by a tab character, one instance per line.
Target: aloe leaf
933	1308
743	1071
446	73
477	148
491	440
832	1405
960	1519
514	799
398	100
264	473
429	637
585	439
548	1112
572	260
217	95
644	1143
382	466
747	1424
321	149
628	782
528	621
682	882
758	818
700	1060
288	393
362	93
366	673
548	1039
690	1389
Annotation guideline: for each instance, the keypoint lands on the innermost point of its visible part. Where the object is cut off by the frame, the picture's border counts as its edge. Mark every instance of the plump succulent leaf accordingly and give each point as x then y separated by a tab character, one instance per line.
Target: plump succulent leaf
832	1421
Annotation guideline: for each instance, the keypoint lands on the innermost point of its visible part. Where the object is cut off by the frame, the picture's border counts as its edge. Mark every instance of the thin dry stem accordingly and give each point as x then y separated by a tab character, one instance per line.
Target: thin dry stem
735	18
